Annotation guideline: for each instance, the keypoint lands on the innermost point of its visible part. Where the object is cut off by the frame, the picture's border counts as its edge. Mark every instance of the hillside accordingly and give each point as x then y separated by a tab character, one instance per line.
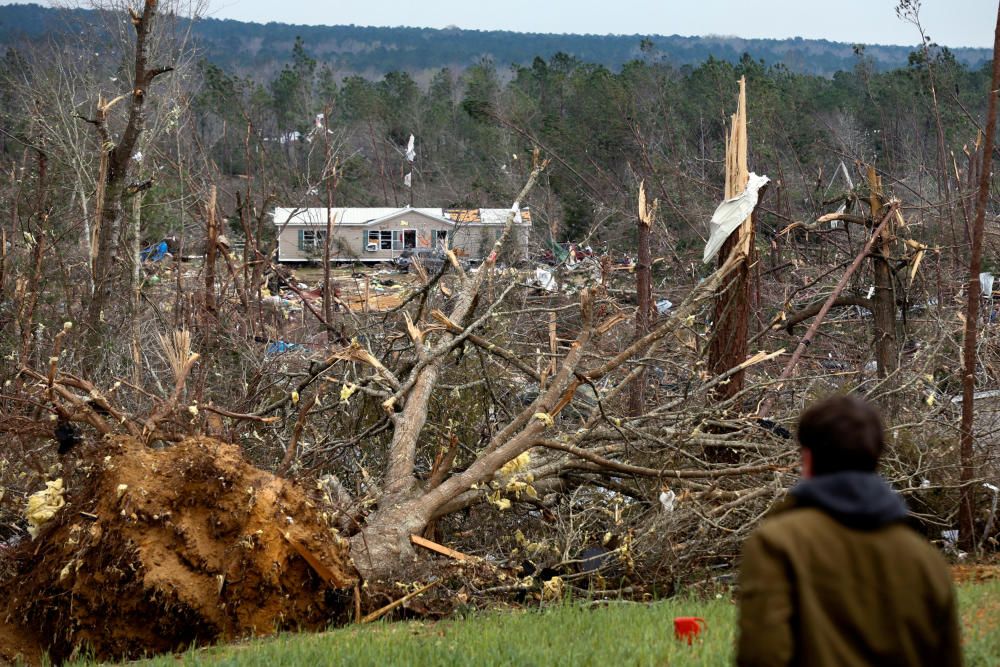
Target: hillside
373	51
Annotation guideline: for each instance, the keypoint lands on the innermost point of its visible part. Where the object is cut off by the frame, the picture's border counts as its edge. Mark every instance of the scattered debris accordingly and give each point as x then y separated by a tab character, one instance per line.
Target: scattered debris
67	434
279	347
379	613
979	395
154	253
986	285
545	280
281	305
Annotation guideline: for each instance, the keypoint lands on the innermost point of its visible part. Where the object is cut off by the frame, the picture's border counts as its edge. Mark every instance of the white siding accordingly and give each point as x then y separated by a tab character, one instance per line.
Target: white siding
351	227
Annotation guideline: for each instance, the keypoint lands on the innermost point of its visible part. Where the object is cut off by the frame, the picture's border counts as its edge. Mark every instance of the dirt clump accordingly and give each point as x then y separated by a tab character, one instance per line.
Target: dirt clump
159	548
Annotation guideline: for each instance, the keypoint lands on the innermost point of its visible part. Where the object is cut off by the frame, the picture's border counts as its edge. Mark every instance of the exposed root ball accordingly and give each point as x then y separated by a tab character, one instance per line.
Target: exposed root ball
189	543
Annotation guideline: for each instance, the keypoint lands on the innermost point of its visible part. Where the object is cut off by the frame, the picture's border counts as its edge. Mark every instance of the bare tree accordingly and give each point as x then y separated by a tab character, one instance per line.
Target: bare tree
969	351
112	251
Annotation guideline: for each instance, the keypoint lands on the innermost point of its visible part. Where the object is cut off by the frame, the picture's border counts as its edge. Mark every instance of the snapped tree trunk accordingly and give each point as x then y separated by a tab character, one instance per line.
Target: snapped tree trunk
884	298
136	294
728	347
331	178
211	253
644	294
109	276
967	508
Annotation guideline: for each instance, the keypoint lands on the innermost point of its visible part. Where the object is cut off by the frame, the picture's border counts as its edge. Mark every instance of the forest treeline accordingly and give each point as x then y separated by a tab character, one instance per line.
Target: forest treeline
475	129
604	129
246	47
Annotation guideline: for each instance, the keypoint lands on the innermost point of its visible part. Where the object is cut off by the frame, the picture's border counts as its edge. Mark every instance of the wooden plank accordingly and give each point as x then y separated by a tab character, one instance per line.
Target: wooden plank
379	613
438	548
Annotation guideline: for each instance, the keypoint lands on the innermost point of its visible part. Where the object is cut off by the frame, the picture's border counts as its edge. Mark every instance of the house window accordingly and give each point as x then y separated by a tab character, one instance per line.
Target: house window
311	239
380	239
390	239
441	239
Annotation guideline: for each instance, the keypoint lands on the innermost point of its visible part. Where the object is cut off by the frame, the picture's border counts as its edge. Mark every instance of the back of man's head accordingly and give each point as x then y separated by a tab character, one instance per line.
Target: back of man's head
842	433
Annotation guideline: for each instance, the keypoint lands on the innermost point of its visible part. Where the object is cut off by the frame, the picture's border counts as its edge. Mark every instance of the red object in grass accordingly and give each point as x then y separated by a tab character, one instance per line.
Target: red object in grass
688	627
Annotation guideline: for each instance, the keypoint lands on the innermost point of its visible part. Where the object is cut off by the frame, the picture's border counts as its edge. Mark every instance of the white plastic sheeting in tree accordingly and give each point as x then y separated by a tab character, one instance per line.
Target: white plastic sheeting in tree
731	214
411	153
986	284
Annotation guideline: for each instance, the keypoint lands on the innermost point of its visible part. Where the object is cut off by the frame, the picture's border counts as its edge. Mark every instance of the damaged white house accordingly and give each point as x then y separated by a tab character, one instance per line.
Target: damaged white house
381	234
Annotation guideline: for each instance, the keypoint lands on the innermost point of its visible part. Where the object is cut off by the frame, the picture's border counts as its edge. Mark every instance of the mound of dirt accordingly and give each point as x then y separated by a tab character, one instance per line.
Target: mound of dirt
161	548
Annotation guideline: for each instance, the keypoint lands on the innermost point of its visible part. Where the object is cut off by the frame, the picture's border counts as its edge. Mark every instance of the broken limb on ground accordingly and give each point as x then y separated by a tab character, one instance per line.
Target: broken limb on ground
161	548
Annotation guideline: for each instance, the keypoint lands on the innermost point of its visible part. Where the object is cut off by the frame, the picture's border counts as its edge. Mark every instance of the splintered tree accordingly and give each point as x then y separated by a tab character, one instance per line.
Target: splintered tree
728	347
966	510
884	299
895	261
117	162
644	291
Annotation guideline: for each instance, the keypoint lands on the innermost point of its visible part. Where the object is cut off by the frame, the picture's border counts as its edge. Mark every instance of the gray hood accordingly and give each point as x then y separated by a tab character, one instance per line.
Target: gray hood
856	499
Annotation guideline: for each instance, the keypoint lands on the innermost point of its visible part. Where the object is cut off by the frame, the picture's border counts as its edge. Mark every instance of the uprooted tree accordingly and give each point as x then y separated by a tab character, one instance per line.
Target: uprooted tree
407	505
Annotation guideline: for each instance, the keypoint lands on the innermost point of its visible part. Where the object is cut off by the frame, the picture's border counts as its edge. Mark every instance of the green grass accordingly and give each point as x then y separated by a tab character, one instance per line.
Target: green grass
570	634
980	608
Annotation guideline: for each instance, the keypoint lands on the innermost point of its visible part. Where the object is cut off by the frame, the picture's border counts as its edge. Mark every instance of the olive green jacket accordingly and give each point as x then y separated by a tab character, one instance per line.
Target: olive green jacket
816	592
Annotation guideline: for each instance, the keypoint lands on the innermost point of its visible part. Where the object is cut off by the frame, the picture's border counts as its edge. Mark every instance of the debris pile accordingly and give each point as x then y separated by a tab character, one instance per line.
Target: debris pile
161	548
368	290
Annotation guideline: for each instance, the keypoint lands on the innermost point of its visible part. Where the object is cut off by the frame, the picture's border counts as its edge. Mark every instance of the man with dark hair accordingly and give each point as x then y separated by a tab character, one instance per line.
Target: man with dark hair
834	576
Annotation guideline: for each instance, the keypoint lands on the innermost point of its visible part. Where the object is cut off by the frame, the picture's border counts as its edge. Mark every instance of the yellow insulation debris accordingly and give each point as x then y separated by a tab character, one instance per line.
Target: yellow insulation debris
516	465
43	505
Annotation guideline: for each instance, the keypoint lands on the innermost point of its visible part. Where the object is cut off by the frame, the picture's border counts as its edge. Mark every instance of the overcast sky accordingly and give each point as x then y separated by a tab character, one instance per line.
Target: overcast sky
948	22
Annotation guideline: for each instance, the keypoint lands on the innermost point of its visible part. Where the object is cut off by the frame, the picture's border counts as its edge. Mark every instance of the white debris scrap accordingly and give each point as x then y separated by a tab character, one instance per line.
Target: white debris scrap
411	153
667	499
986	285
731	214
545	280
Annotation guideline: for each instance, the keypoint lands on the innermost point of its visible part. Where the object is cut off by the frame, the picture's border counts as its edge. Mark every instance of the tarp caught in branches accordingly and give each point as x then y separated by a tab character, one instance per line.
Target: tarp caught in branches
732	213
